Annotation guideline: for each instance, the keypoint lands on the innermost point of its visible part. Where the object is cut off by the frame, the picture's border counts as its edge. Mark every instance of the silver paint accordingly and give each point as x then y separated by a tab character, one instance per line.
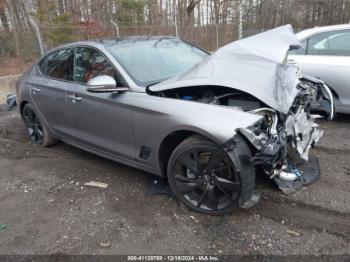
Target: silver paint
334	70
116	125
254	65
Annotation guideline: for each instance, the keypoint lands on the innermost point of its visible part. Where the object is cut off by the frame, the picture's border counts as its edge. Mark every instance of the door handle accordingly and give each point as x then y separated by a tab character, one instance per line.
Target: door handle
75	98
35	90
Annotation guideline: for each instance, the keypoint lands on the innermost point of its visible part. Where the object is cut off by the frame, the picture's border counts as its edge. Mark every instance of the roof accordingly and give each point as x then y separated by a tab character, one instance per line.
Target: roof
129	39
319	29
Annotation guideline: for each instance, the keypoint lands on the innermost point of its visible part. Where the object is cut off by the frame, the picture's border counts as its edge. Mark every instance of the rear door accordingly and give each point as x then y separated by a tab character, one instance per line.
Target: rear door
100	120
327	56
48	88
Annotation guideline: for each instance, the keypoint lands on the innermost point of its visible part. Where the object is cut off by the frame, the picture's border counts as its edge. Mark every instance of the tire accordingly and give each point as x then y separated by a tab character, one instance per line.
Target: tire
209	180
37	131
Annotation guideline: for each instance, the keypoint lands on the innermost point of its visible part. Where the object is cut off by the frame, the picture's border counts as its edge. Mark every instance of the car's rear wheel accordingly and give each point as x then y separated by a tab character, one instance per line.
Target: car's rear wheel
204	177
37	131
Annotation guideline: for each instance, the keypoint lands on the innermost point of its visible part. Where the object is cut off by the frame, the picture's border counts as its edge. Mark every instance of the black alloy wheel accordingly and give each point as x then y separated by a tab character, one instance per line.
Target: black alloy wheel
203	177
37	130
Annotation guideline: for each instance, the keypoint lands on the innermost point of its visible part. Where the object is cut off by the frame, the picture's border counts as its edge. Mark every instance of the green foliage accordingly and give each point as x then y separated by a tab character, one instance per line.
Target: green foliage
60	30
56	28
130	12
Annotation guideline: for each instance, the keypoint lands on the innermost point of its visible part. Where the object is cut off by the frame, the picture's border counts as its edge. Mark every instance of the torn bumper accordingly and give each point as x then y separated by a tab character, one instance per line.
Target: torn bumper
323	100
304	130
309	173
301	125
282	150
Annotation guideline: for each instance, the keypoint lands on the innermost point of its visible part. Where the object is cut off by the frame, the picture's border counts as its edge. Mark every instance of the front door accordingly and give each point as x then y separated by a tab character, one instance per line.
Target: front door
100	120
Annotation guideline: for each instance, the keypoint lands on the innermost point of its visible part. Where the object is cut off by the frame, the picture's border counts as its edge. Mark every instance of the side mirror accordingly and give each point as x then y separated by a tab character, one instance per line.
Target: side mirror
104	84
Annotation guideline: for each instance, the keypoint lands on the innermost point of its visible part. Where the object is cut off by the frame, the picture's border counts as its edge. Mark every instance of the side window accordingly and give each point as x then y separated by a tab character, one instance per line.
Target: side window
335	43
90	63
42	66
59	65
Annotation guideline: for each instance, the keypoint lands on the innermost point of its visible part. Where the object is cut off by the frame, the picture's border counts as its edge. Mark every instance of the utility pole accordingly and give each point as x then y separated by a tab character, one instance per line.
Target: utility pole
217	35
35	27
240	19
116	27
175	23
37	34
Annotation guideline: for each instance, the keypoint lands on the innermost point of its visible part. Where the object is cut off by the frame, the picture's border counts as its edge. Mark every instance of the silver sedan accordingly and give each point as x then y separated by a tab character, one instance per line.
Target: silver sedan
326	55
206	123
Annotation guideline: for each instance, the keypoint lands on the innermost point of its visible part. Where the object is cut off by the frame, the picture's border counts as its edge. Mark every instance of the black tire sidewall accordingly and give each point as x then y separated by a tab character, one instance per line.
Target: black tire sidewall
47	137
202	143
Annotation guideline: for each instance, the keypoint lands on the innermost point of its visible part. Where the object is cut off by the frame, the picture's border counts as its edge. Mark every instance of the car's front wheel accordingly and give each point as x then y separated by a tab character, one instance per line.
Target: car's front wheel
37	131
204	177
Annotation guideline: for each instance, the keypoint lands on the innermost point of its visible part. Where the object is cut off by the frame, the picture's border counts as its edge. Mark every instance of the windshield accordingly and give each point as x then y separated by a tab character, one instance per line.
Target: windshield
152	61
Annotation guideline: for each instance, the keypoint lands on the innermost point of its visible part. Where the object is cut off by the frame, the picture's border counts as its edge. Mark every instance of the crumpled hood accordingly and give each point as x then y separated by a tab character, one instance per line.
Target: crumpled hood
254	65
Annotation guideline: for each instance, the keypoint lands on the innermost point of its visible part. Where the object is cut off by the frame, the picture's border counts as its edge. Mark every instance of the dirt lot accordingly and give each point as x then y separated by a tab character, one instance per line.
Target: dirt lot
48	210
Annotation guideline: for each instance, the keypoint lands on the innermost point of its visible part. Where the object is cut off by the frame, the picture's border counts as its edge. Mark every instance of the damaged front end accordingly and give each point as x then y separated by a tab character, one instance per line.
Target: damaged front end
253	75
282	141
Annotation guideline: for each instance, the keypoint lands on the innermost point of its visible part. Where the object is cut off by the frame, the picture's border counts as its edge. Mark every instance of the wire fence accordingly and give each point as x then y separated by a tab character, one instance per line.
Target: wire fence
24	44
20	48
21	43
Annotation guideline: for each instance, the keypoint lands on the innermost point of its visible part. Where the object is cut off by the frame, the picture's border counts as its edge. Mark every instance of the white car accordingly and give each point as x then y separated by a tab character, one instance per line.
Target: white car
326	55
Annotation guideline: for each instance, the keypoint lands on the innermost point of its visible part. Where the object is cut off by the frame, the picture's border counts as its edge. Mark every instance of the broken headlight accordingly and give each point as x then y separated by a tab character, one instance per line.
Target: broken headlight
265	131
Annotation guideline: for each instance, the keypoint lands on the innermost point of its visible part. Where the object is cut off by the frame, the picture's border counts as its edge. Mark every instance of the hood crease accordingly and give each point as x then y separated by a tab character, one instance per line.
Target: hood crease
254	65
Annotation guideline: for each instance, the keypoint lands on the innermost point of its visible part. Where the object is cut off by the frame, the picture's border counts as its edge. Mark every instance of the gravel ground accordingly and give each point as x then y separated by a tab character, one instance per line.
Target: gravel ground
48	210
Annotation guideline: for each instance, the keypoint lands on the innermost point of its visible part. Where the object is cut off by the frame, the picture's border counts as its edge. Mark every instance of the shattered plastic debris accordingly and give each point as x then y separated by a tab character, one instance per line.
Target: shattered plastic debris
157	185
96	184
305	129
3	226
291	232
11	102
107	243
194	219
310	172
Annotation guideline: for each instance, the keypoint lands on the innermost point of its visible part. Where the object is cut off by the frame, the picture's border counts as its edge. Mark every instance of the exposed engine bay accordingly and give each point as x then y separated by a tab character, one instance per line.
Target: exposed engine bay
280	142
216	95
